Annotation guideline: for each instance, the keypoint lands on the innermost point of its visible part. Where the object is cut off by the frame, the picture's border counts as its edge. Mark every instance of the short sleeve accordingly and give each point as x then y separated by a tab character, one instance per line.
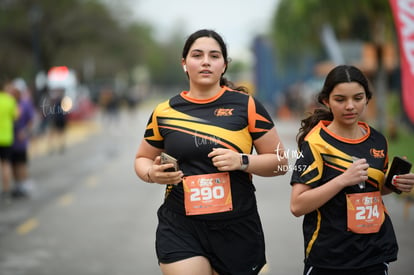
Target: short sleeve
308	166
260	121
152	134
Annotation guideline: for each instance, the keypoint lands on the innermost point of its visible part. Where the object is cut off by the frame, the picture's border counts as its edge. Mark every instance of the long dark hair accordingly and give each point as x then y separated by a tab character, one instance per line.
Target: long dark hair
339	74
212	34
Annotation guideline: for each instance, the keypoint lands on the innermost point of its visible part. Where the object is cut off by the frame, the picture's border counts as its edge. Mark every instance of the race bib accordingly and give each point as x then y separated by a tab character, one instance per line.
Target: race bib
365	212
207	193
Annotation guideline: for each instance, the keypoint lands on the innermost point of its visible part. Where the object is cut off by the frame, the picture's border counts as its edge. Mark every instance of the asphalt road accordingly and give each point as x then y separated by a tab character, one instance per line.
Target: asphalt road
90	214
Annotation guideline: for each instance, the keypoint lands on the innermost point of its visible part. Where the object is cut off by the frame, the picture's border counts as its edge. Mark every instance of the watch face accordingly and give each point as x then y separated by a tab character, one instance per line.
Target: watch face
245	159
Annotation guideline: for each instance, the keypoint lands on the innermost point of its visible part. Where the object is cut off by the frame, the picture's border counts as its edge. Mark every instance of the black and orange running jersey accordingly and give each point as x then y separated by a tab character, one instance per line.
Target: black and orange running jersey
189	129
328	243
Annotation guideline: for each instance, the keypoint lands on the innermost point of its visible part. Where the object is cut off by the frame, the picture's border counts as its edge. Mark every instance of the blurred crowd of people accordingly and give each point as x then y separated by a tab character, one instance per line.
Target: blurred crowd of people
17	114
28	115
21	119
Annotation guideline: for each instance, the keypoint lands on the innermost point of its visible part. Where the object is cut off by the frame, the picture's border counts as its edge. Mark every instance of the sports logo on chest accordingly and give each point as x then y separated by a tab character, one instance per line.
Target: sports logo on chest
223	112
377	153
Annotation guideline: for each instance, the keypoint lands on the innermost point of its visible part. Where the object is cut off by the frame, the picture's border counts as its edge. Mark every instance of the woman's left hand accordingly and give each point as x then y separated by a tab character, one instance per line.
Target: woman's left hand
404	182
225	159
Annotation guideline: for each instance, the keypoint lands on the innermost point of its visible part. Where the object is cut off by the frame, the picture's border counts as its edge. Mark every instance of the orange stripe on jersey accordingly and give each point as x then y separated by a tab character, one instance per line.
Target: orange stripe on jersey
363	125
203	101
254	116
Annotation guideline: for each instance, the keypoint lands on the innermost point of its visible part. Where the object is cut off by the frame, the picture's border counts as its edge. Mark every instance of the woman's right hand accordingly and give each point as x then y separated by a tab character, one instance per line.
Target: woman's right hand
356	173
157	174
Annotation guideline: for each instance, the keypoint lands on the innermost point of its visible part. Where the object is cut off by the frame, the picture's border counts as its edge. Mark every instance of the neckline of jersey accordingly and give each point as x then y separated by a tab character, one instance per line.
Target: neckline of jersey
324	123
203	101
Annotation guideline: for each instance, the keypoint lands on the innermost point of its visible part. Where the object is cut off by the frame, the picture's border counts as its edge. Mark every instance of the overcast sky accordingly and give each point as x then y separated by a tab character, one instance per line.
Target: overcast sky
238	21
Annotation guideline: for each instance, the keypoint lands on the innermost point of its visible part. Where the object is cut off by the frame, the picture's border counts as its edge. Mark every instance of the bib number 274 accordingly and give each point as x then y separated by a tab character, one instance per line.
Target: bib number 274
367	212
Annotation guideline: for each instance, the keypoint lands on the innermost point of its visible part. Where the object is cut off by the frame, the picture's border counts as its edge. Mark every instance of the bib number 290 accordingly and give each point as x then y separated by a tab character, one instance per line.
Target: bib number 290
207	193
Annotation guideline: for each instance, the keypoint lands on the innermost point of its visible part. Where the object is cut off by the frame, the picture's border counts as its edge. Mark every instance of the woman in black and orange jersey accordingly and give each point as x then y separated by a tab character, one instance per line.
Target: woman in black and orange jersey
346	227
209	223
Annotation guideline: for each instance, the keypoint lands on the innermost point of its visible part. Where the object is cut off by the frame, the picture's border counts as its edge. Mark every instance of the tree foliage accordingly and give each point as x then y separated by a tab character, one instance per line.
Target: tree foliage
36	35
297	24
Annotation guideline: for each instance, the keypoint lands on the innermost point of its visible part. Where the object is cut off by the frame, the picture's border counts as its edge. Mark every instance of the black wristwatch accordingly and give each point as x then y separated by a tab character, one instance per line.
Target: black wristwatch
244	161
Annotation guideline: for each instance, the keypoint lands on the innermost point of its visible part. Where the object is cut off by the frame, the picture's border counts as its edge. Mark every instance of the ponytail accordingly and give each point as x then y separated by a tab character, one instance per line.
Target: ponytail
311	121
228	83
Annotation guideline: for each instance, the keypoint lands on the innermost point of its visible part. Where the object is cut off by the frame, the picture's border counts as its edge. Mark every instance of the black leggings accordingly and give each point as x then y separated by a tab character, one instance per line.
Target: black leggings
378	269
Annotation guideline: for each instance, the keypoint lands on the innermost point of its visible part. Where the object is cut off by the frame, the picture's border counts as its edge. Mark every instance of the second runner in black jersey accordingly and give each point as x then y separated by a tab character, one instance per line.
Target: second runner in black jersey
328	242
339	188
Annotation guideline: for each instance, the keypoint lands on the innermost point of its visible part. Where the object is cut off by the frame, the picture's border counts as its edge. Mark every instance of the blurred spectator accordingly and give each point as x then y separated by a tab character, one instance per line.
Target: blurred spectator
58	121
297	99
22	132
8	114
109	104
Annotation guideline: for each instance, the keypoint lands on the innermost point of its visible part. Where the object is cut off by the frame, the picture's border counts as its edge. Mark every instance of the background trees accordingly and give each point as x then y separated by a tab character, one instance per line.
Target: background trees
297	36
97	40
297	25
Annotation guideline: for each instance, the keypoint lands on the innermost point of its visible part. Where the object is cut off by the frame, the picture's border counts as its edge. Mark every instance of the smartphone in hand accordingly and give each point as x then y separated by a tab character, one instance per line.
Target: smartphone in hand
398	166
165	158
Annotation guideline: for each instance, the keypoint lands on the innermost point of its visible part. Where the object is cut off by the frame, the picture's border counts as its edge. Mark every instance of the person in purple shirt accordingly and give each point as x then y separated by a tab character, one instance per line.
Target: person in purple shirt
22	132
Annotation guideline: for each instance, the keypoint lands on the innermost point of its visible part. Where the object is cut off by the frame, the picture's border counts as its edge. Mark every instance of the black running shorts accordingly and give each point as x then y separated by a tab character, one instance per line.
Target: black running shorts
378	269
19	156
5	153
233	246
